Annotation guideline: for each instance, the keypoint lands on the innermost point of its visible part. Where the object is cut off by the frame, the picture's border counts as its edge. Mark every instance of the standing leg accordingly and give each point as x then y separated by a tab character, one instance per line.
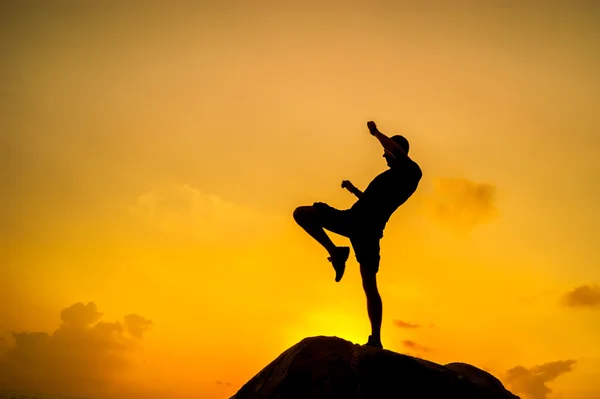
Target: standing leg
374	304
313	220
366	248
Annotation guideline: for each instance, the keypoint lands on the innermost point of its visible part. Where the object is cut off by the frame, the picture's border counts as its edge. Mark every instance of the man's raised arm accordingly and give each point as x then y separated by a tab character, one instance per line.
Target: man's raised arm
388	144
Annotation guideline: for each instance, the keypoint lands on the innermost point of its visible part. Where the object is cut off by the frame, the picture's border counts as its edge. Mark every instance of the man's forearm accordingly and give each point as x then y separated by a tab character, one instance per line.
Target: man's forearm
356	191
388	144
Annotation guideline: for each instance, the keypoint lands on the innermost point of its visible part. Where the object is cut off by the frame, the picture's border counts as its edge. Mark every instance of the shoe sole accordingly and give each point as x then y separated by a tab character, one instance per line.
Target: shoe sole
340	269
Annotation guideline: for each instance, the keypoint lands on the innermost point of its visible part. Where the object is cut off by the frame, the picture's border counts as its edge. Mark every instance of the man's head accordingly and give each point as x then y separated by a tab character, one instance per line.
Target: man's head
402	142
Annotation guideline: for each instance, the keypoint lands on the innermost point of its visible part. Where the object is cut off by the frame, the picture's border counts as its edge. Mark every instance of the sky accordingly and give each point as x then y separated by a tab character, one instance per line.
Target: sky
154	154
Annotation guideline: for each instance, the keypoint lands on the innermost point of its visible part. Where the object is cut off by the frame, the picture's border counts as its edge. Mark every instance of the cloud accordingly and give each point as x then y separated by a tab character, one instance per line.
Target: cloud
532	382
3	344
83	357
404	324
415	346
137	325
461	204
80	315
181	209
583	296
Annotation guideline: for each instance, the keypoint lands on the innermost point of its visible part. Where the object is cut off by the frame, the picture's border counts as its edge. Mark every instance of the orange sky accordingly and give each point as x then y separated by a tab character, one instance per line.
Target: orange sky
154	155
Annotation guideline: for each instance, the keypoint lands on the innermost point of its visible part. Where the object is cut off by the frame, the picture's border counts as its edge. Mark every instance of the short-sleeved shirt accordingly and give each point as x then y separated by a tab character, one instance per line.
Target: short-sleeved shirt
385	194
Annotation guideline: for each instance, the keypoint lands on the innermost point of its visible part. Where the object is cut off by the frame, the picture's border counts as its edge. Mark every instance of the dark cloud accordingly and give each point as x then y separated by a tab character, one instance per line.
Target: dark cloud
532	382
404	324
80	315
137	325
83	357
462	204
415	346
583	296
3	344
226	383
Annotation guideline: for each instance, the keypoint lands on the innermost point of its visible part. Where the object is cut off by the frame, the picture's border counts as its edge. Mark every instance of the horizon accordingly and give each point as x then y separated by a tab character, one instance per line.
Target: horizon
155	155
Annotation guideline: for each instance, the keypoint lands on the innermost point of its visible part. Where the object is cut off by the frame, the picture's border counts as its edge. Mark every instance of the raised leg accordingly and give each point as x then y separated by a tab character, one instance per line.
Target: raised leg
308	218
312	221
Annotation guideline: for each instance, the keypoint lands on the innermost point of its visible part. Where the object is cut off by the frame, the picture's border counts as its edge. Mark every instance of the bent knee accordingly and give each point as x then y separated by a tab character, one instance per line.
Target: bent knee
302	214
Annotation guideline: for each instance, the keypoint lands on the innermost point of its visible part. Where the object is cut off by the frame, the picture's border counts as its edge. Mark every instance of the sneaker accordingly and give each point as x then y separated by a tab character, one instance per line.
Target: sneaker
339	262
373	343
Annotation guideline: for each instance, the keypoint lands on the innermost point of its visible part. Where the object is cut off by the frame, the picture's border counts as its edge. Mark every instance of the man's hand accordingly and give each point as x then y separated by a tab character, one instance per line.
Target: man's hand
347	185
350	187
372	127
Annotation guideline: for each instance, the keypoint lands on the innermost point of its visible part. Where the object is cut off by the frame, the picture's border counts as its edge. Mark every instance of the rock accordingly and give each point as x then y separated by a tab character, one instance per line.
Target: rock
333	368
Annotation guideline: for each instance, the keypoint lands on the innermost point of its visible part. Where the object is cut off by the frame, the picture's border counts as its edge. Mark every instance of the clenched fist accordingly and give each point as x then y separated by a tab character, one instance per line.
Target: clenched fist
372	127
347	185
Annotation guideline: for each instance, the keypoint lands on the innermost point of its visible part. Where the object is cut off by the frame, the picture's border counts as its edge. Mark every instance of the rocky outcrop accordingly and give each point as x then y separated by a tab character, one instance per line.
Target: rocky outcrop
333	368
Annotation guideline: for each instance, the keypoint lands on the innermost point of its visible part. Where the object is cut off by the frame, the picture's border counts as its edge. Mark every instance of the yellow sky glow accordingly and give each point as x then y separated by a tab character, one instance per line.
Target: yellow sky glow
154	156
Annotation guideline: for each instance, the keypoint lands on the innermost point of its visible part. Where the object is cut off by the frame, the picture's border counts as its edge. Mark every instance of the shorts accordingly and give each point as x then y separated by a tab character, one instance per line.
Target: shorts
364	239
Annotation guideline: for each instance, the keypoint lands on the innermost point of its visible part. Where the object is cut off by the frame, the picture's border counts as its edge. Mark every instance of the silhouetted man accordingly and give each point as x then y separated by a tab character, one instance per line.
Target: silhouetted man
365	221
